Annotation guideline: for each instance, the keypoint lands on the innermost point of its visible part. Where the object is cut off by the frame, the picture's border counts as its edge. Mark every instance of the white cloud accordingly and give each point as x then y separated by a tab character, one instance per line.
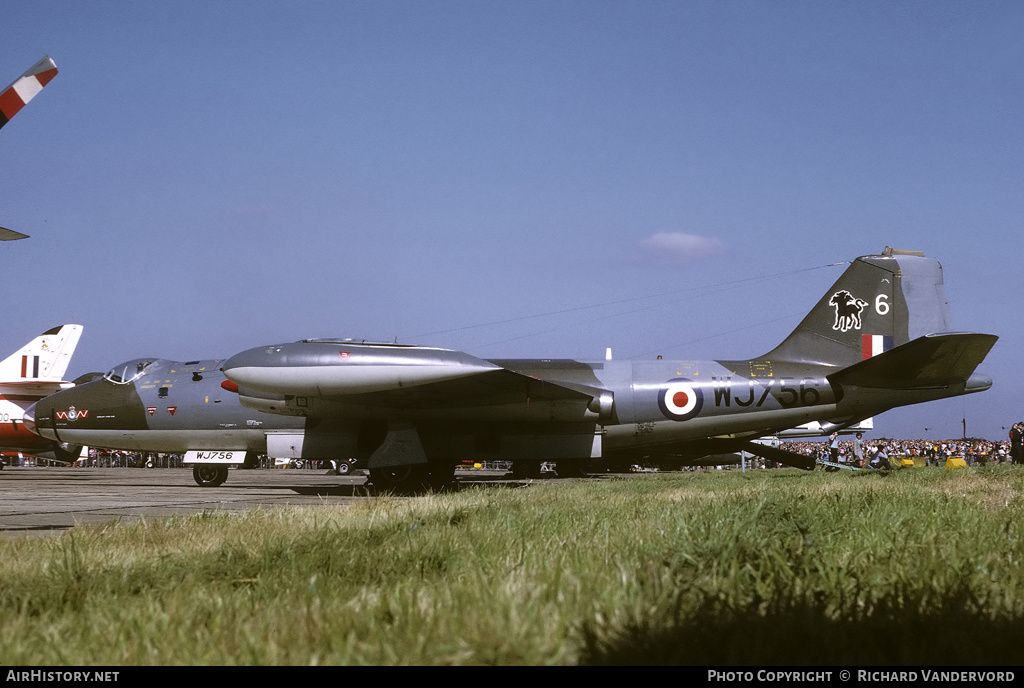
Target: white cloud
675	249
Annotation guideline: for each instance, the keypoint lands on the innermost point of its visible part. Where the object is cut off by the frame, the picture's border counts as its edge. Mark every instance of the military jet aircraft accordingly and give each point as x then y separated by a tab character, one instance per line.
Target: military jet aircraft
27	376
879	338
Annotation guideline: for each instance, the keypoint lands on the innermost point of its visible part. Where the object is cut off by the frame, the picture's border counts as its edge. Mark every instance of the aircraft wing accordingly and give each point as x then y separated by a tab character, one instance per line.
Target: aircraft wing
25	88
11	235
488	388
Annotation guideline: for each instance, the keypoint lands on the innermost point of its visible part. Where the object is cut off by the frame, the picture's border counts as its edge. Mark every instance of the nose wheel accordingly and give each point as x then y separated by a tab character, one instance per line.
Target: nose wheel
209	475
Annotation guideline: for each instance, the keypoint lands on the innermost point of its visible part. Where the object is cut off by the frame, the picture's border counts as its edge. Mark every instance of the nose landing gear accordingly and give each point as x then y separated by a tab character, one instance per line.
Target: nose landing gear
209	475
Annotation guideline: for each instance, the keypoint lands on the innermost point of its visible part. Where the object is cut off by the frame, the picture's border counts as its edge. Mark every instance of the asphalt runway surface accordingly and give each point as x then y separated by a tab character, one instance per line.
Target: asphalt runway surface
39	501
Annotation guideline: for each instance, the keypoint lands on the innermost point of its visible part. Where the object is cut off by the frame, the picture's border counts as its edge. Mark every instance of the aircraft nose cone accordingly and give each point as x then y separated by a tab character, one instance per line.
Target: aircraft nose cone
253	357
29	419
37	418
244	368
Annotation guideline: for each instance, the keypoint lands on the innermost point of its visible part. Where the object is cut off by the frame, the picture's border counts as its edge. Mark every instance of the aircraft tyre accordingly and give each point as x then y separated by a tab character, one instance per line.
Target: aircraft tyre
413	478
442	475
525	470
343	468
401	479
209	475
68	453
571	468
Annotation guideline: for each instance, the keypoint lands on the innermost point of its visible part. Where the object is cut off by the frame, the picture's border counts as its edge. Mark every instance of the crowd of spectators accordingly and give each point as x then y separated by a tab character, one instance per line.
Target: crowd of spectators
927	452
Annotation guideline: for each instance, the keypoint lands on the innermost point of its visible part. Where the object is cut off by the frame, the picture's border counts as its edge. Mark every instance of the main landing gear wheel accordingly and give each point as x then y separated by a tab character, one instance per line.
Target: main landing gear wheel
209	475
571	468
526	470
414	478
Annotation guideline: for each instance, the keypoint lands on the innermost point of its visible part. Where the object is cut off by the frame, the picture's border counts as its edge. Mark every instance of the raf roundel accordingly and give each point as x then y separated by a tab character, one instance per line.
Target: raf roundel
680	399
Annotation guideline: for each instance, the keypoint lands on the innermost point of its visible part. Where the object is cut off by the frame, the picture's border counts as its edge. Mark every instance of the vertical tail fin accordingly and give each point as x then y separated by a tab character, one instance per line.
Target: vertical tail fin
44	358
878	303
25	87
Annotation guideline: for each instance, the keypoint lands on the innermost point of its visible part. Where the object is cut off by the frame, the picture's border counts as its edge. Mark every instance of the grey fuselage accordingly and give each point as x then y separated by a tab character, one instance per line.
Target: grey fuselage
176	407
879	338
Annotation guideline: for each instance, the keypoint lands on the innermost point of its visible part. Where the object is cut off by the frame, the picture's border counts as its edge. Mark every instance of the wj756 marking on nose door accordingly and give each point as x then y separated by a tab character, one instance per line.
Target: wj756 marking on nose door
214	457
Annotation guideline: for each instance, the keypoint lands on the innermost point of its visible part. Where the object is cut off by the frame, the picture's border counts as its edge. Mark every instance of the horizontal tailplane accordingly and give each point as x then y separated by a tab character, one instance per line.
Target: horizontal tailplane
929	362
786	458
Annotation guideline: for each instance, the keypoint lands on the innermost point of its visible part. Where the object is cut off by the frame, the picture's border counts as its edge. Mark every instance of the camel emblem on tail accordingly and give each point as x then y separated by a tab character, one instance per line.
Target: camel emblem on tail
848	310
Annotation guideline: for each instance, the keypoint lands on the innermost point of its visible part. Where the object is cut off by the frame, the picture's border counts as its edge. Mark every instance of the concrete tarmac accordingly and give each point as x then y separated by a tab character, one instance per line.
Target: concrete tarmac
50	500
42	500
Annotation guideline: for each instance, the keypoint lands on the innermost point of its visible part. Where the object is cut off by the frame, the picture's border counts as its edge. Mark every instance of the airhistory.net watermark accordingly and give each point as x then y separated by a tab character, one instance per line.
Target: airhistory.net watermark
54	676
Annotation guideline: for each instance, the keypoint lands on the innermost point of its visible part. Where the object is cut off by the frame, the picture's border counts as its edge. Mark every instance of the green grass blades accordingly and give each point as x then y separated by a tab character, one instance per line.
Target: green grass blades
779	567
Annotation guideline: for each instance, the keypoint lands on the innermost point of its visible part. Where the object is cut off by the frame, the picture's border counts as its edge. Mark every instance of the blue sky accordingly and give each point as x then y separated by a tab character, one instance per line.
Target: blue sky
661	177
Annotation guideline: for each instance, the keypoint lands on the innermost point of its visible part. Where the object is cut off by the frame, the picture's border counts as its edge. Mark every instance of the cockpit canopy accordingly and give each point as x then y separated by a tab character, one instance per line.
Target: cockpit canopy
129	371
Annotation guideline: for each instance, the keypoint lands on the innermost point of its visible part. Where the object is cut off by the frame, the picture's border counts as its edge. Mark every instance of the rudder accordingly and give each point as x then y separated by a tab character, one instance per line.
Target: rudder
880	302
44	358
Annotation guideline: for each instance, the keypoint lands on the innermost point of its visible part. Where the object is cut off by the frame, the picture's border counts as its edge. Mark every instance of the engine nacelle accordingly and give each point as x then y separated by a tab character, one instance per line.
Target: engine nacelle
337	367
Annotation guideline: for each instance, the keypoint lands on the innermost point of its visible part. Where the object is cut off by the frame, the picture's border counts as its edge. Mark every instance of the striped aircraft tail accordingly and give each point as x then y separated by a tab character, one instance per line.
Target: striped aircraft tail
25	88
45	358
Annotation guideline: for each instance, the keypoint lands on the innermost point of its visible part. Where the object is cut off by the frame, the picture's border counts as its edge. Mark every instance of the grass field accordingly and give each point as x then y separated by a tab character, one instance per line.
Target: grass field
922	566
